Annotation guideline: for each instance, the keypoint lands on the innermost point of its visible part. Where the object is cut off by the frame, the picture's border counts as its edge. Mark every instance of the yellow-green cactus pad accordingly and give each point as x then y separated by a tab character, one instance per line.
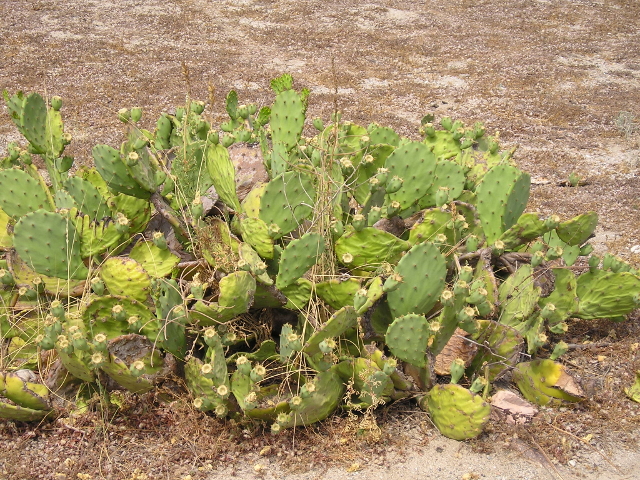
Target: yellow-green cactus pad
155	261
124	276
545	382
456	411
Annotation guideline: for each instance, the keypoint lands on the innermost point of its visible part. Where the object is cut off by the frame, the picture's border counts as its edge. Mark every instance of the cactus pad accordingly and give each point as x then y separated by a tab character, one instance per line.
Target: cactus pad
20	193
298	257
423	270
287	200
222	173
47	243
408	339
457	412
545	382
369	248
124	276
415	164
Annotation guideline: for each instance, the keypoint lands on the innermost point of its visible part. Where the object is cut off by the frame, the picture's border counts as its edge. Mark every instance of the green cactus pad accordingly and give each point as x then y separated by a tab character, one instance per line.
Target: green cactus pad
415	164
256	233
423	270
375	292
115	172
384	135
298	257
235	297
434	222
98	237
502	197
545	382
47	242
457	412
408	339
287	122
25	394
579	229
87	198
23	275
442	144
298	294
518	296
527	228
499	348
606	294
338	293
447	174
137	210
21	194
321	403
369	168
287	200
341	321
222	175
251	203
125	276
155	261
21	414
369	248
97	317
76	366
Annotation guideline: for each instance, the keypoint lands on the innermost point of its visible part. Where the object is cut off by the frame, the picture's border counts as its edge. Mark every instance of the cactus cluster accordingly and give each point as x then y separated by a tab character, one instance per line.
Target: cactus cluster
375	248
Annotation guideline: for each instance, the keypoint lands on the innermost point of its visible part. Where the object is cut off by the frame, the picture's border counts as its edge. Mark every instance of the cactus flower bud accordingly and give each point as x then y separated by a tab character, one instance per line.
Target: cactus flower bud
275	428
5	277
223	391
498	247
97	285
243	365
137	368
221	411
97	360
260	268
307	389
394	184
274	230
327	345
478	384
124	115
159	240
295	402
393	208
318	124
392	283
206	370
457	370
390	366
374	215
122	223
537	258
358	221
472	243
554	253
56	102
132	159
257	373
227	140
347	258
446	297
337	228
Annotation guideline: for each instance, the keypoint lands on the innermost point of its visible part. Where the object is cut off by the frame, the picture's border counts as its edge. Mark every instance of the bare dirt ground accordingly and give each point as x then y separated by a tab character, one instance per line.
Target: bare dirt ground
552	76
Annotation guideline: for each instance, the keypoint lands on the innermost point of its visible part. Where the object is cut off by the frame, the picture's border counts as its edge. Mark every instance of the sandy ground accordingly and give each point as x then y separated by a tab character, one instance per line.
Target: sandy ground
553	76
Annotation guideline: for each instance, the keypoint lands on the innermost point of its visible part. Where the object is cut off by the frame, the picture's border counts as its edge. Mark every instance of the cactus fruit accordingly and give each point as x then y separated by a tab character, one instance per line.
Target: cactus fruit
545	382
456	411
